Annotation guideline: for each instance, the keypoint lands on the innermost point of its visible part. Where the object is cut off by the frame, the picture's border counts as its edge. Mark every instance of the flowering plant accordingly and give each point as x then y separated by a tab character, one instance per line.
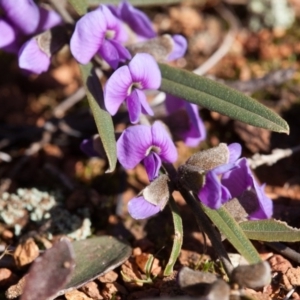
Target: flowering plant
210	178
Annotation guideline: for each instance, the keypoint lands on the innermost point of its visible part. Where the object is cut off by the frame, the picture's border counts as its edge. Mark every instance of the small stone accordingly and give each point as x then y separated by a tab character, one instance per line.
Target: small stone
111	276
111	289
77	295
26	253
91	290
7	278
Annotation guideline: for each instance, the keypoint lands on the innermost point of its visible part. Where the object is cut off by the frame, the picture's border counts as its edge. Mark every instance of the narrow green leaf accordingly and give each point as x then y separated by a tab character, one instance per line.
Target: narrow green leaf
139	2
102	118
233	232
270	231
220	98
178	237
81	6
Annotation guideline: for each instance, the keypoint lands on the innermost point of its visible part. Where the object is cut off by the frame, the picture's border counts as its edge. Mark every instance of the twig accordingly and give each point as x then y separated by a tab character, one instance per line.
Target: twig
59	6
230	18
60	110
285	251
270	159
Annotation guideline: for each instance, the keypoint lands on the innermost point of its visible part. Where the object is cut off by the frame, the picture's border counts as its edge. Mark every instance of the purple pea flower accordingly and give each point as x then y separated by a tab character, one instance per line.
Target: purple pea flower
240	181
214	192
152	199
148	144
126	84
99	32
218	175
135	18
185	119
21	20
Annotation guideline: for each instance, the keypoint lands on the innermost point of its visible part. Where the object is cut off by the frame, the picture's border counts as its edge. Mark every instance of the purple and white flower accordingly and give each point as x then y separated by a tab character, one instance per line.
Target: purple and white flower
126	85
150	145
99	31
185	119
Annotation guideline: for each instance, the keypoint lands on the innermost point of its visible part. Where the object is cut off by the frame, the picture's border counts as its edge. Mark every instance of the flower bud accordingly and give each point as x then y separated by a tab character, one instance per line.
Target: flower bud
210	158
254	276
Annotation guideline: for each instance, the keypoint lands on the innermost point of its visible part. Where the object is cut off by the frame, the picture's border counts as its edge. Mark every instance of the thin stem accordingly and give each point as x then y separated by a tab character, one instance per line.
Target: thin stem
178	237
206	226
284	250
202	221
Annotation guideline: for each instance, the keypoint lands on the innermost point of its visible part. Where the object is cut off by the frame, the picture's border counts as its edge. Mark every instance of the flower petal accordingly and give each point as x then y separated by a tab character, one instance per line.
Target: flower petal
152	164
32	58
114	24
124	54
211	193
48	19
197	131
136	19
265	210
109	53
8	33
139	208
134	107
24	14
133	144
163	141
116	89
180	46
235	151
238	179
146	109
173	103
88	36
144	69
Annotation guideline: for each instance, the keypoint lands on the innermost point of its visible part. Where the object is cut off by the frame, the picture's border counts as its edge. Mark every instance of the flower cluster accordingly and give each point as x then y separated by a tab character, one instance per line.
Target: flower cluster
216	175
19	23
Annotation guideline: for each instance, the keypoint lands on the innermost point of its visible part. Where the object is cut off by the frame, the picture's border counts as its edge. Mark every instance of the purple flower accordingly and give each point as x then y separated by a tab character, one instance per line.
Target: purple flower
32	58
25	18
136	20
148	144
239	182
217	175
126	84
185	119
214	192
152	199
100	32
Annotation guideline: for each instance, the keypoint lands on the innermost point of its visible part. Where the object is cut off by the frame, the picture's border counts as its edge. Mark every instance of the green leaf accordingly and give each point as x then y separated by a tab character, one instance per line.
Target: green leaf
80	6
95	257
220	98
270	231
102	117
138	2
233	232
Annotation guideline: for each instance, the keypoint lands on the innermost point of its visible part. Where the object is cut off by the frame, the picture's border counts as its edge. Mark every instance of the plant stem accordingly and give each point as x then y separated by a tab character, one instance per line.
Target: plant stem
206	226
202	220
178	237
